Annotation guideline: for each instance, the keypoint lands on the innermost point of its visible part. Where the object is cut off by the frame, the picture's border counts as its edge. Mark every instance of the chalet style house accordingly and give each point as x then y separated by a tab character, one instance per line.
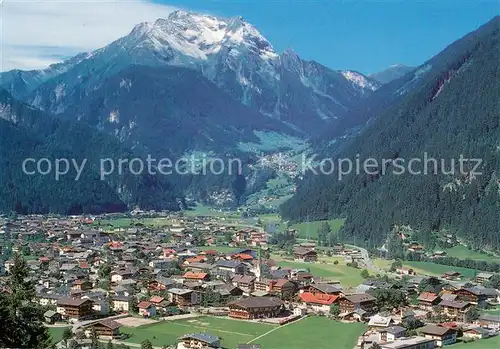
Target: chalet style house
416	342
225	268
183	297
255	308
281	288
75	309
457	311
323	289
483	277
81	285
452	275
244	282
106	328
200	340
120	303
160	303
318	302
472	295
442	335
427	300
193	276
475	333
353	302
390	334
302	254
146	309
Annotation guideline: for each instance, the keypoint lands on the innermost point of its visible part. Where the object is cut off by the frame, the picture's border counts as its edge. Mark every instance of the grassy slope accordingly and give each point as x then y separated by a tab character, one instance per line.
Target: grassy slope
347	276
313	332
56	333
425	268
490	343
433	269
383	264
310	230
462	252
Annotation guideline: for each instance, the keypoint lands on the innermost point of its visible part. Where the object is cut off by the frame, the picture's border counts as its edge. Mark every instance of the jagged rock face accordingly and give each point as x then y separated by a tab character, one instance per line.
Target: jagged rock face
21	83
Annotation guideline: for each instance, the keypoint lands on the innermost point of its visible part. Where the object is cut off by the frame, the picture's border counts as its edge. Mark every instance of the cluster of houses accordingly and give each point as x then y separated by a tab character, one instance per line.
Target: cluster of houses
85	274
445	316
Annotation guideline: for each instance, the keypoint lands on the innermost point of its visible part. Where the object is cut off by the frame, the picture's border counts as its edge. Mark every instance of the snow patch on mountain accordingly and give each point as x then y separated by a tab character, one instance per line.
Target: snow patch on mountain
114	117
6	113
360	80
126	83
59	91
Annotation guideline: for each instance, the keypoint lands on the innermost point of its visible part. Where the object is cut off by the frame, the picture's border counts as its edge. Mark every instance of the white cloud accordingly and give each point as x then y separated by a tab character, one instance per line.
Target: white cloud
36	33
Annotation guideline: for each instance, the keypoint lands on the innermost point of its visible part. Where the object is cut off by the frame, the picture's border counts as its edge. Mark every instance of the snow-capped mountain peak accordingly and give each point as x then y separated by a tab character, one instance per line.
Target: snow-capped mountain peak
200	36
231	53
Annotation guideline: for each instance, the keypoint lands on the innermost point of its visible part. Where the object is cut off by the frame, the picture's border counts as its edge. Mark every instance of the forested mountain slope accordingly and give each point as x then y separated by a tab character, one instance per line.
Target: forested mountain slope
168	110
454	111
28	133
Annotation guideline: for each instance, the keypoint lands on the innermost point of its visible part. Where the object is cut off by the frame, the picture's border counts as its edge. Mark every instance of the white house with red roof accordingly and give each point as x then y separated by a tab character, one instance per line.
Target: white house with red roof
146	309
318	302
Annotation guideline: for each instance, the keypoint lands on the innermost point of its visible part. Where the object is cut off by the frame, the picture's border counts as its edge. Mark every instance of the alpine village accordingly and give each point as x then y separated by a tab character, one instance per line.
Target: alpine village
95	254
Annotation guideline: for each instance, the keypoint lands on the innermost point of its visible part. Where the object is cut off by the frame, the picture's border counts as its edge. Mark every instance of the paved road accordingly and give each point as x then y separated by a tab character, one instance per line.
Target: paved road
367	260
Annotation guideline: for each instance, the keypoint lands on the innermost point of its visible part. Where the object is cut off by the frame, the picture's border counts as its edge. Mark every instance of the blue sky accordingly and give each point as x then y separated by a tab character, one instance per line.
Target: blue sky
363	35
367	36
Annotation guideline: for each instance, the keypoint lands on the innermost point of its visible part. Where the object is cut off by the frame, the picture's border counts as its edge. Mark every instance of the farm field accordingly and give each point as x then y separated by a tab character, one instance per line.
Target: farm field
231	332
203	210
462	252
270	218
425	268
313	332
221	249
347	276
493	311
310	230
279	201
384	264
433	269
490	343
56	333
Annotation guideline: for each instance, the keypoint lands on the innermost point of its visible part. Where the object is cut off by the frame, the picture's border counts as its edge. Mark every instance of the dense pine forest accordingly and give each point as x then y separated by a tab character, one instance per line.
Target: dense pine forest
454	111
28	133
